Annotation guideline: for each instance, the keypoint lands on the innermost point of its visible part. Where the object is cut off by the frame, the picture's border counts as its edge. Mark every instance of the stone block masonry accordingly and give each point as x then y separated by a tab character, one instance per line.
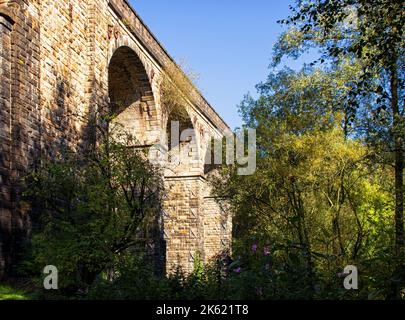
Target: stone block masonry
61	60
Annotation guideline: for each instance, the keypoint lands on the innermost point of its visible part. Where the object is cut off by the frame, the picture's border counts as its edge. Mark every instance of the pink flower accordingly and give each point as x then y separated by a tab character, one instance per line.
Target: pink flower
254	247
238	270
266	251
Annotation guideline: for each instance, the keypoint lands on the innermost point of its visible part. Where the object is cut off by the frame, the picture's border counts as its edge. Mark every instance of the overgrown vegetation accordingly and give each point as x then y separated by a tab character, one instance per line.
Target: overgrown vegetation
329	184
10	293
94	211
317	194
178	87
327	193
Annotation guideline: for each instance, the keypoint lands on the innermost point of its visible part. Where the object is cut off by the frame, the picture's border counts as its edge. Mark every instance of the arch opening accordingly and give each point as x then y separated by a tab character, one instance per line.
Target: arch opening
182	144
132	112
131	102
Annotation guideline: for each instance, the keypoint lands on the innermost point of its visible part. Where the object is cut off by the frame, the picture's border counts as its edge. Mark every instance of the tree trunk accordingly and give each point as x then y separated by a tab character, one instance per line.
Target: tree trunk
399	180
399	166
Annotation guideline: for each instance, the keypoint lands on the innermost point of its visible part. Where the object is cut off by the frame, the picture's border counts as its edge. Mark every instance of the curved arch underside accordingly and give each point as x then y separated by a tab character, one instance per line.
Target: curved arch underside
132	103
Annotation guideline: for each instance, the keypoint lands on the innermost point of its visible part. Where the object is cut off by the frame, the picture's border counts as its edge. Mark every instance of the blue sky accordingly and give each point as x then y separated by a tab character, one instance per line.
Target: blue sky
227	42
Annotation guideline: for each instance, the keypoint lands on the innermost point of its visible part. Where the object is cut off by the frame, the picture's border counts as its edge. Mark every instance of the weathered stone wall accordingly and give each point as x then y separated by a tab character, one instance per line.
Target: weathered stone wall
195	223
64	72
5	135
182	222
63	60
20	125
217	227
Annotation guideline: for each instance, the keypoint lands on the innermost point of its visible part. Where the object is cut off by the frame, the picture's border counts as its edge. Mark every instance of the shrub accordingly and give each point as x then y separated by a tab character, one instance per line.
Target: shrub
93	210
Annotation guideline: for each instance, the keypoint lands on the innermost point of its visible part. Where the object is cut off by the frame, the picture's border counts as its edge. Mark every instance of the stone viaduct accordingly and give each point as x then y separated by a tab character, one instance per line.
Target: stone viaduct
60	59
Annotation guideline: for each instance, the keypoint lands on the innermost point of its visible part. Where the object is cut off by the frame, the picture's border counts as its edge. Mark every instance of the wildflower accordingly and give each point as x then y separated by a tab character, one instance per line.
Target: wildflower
238	270
266	251
254	247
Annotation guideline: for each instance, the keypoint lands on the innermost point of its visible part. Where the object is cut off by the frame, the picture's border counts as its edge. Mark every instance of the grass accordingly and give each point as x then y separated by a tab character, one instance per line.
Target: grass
10	293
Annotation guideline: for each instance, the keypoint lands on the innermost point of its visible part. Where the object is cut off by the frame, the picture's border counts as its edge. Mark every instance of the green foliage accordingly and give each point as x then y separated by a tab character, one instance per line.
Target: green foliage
318	198
368	34
10	293
93	210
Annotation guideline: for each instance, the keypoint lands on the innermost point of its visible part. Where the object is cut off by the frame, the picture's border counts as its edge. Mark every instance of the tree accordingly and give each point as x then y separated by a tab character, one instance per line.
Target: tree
370	34
316	197
95	209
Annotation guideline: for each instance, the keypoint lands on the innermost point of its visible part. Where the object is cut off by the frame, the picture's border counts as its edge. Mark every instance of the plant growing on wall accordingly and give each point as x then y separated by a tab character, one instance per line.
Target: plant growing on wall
177	86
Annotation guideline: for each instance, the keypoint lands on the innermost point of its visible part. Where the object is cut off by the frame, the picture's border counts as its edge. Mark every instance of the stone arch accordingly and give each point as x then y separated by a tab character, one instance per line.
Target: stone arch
9	10
131	99
180	115
183	142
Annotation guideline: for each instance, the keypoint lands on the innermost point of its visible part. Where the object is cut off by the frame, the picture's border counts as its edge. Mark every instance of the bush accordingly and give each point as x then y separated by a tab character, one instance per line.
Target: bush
92	211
